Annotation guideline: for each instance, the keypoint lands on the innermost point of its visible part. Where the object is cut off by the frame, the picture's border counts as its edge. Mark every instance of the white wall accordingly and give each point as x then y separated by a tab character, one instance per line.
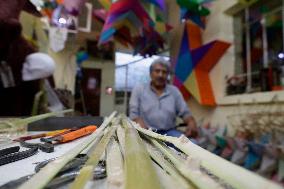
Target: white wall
220	26
65	60
64	76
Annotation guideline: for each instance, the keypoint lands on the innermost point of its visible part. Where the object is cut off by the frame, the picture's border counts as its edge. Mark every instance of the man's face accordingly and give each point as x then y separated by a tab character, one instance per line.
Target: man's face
159	75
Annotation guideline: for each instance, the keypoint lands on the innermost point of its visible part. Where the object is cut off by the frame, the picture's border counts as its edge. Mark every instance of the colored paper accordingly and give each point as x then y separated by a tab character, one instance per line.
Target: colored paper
129	17
124	13
105	3
159	3
57	38
198	63
194	10
252	161
100	14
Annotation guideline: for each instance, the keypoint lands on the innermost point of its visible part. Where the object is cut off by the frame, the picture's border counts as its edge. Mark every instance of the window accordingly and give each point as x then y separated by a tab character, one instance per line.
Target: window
132	70
258	32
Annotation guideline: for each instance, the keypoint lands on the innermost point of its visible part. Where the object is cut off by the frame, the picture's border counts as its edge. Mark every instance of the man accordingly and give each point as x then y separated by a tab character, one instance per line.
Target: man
156	104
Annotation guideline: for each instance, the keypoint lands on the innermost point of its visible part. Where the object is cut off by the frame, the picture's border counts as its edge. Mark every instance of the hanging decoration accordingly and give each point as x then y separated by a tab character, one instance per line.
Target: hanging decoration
125	13
57	38
105	3
48	7
129	23
194	10
149	44
62	13
138	24
60	18
73	7
159	3
152	42
122	34
193	67
100	15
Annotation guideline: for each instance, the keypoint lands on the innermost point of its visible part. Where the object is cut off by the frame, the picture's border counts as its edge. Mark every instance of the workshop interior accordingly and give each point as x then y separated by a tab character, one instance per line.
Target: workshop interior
142	94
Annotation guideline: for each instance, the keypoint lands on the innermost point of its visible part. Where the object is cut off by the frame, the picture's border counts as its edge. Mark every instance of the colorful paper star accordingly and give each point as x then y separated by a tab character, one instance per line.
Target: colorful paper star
194	10
105	3
159	3
149	44
129	23
122	34
193	67
125	13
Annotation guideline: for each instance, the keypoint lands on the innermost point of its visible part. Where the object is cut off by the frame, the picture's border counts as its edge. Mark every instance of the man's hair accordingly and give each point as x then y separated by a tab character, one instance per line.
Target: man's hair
162	62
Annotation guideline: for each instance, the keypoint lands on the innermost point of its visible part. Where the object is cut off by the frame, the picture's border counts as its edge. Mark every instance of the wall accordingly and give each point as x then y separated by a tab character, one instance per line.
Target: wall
220	26
231	109
66	69
33	25
64	76
65	60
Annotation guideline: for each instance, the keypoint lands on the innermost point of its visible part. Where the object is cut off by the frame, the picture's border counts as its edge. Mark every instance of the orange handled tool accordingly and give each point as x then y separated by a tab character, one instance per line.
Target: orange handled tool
52	133
76	134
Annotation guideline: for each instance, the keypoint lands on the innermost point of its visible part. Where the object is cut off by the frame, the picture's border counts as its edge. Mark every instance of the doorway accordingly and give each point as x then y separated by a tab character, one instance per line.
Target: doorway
91	91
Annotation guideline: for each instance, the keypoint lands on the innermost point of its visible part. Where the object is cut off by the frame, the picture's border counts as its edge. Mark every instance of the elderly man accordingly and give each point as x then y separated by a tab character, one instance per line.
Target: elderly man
157	104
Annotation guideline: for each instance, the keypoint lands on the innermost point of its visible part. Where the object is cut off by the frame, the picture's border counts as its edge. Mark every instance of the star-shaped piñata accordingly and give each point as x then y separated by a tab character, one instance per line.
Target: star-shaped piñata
161	27
122	34
130	23
105	3
159	3
125	13
193	66
194	10
100	15
149	44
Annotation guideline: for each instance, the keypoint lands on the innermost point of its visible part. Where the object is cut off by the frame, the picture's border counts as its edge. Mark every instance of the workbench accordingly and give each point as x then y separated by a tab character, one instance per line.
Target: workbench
26	166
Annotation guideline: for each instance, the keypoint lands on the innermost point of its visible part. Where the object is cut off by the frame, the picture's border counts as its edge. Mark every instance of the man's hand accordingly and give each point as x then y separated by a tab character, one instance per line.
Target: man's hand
141	123
191	130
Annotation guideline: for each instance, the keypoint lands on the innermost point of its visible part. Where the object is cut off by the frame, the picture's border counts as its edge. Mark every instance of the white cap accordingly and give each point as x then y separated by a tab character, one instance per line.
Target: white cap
37	66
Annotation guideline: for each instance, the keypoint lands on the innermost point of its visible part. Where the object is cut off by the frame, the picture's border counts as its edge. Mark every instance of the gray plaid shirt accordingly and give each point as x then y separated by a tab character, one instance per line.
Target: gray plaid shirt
157	112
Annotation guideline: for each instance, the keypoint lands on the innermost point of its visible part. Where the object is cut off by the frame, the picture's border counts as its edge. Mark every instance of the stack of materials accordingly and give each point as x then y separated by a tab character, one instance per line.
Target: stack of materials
259	151
140	159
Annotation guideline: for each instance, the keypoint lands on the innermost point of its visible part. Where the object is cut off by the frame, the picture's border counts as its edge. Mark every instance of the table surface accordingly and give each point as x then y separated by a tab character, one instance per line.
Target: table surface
26	166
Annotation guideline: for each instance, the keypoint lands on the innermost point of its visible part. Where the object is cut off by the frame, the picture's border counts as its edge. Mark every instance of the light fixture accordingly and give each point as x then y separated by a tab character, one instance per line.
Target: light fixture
61	18
281	55
62	21
108	90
